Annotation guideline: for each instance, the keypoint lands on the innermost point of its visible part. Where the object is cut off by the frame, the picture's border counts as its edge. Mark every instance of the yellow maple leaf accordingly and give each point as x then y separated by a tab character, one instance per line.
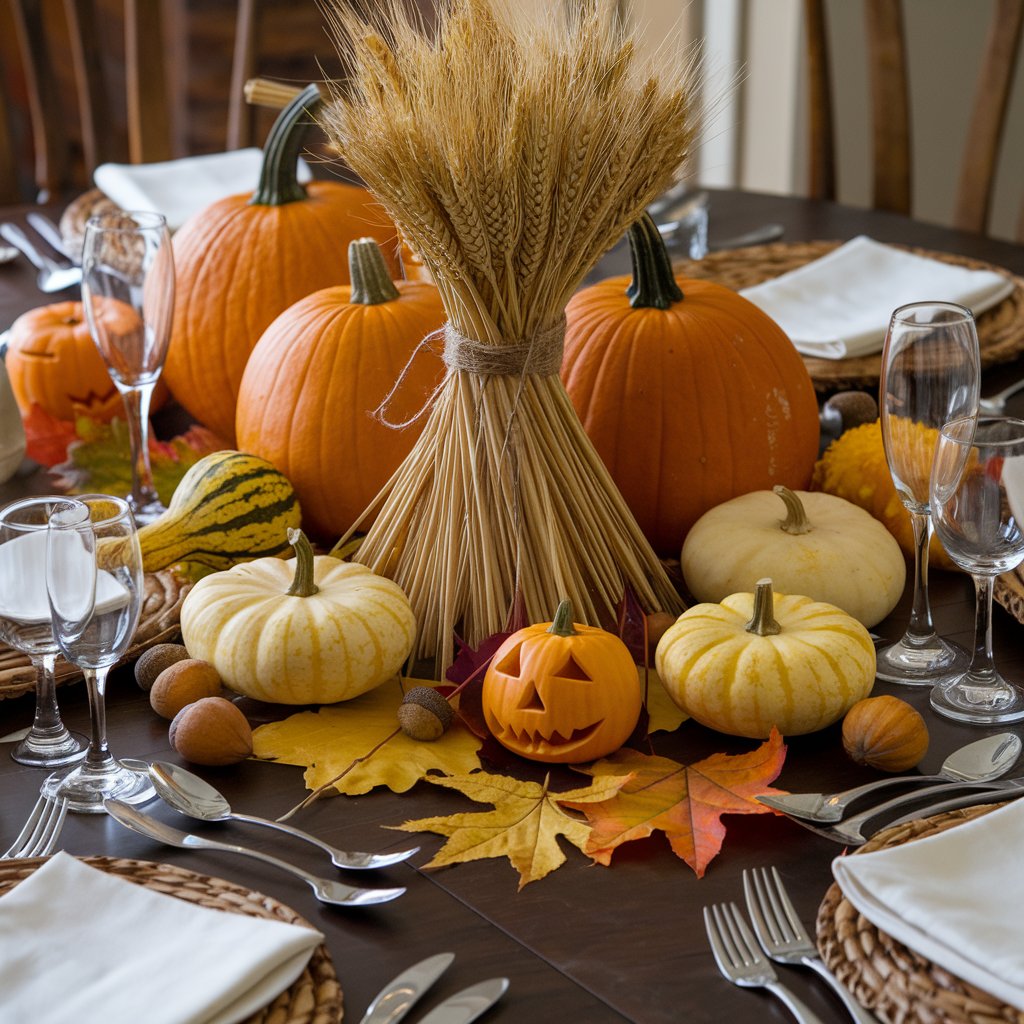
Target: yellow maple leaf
665	714
523	826
327	741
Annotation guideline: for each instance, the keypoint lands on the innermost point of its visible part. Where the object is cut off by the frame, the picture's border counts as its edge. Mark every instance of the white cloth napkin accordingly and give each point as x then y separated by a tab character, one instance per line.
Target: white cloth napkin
179	188
839	306
77	944
954	897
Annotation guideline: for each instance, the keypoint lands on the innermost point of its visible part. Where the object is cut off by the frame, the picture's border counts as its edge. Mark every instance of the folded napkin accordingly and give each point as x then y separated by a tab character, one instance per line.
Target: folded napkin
77	944
179	188
954	897
839	306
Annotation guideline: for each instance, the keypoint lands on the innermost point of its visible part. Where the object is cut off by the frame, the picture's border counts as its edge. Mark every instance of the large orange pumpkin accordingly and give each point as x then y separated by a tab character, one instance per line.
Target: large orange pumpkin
691	396
53	363
245	259
321	368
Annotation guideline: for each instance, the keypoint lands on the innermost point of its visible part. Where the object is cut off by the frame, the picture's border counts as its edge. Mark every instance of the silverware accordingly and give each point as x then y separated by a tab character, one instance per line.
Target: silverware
739	959
8	253
964	800
783	936
995	405
42	829
467	1005
51	277
979	761
758	236
327	891
50	234
397	997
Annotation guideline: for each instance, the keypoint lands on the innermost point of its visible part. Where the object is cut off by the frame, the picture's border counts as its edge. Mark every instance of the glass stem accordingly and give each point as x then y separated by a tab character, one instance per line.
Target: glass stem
137	399
98	756
921	629
983	668
47	717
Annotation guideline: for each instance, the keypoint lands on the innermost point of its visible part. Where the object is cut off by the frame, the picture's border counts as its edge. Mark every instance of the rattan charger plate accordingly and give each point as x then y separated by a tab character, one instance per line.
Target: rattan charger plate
1000	329
159	623
314	998
896	984
1009	592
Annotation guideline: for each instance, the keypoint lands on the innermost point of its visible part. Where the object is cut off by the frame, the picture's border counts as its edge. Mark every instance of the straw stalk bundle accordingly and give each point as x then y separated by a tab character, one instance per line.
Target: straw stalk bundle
512	147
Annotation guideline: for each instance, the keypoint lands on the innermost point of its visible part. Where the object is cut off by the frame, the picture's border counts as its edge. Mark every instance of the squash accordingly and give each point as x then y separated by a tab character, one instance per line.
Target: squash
809	543
313	630
54	363
562	692
245	259
690	396
759	660
854	467
885	733
313	380
229	507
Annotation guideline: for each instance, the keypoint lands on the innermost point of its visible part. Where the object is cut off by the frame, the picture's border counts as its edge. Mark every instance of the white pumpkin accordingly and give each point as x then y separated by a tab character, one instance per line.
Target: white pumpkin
809	543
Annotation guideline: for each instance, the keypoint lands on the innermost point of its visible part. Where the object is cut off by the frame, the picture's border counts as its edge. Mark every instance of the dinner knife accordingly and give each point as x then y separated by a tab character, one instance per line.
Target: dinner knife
50	233
467	1005
396	998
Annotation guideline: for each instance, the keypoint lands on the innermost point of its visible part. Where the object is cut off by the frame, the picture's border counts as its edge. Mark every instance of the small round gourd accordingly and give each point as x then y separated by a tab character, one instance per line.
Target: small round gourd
814	544
885	733
757	660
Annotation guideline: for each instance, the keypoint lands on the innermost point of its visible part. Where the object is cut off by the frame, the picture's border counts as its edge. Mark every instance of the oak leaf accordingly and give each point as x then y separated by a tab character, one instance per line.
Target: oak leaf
683	801
524	825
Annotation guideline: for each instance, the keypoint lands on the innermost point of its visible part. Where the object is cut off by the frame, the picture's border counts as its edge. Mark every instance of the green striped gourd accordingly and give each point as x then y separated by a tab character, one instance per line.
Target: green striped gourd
229	507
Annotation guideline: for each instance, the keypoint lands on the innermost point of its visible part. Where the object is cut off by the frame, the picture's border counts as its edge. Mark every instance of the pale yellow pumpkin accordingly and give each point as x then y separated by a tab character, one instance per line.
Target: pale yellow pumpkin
311	630
814	544
757	660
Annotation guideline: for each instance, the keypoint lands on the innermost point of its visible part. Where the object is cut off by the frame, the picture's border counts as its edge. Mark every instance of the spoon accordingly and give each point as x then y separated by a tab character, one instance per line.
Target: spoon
195	798
52	277
336	893
995	405
979	761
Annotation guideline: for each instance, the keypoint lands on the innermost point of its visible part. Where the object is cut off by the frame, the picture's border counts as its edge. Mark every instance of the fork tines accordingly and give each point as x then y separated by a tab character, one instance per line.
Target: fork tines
39	835
781	925
733	944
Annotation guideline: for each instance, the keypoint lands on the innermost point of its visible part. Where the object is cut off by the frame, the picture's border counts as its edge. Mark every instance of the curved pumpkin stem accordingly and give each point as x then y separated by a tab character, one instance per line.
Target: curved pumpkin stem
654	285
279	180
796	521
302	584
371	279
763	621
562	624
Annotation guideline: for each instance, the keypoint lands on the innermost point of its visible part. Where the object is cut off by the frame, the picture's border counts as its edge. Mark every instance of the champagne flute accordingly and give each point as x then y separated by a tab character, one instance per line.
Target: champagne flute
931	373
25	625
128	294
95	584
977	497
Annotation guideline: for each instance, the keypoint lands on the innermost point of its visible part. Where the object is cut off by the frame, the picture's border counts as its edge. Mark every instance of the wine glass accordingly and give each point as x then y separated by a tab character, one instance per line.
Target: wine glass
95	584
930	374
128	294
977	496
25	625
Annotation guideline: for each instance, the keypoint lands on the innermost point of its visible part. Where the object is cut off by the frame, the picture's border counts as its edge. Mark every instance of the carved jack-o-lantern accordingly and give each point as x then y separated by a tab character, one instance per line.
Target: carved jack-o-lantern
53	362
562	693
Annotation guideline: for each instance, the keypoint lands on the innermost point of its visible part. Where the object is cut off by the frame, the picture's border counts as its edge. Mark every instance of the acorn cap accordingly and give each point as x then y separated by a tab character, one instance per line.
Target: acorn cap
424	714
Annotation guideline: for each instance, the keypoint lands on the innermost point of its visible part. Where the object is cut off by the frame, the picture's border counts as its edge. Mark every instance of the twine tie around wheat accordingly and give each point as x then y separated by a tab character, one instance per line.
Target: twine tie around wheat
541	354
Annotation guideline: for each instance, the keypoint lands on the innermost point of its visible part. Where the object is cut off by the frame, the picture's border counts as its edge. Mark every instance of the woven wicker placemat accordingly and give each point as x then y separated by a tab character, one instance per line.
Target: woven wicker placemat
1009	592
1000	329
314	998
159	622
896	984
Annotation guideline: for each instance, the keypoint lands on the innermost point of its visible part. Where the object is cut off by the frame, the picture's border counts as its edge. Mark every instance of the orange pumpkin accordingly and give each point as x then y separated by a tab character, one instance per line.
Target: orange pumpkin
562	693
53	363
245	259
691	396
314	379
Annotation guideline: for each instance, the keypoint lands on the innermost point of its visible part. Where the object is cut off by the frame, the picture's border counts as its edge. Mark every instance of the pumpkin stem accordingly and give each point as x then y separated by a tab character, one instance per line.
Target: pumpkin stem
302	584
562	624
796	521
763	621
654	285
371	279
279	181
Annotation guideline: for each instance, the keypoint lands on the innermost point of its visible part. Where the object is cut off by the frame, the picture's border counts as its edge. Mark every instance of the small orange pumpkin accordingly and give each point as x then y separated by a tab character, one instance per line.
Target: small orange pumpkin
562	693
691	396
245	259
53	363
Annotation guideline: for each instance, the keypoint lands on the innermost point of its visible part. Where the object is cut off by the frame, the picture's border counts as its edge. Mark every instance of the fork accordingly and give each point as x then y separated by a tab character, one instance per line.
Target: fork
42	830
783	936
739	959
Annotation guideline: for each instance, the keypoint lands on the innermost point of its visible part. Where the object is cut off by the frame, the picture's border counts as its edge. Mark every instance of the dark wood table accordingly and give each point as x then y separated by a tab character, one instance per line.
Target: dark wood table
586	944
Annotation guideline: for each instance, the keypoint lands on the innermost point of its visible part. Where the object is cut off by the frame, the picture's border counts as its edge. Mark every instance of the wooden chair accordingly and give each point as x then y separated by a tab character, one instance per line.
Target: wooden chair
890	110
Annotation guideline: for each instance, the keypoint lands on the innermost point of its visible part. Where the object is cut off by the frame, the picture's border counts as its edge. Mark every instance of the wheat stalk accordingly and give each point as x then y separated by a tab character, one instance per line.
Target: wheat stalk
513	147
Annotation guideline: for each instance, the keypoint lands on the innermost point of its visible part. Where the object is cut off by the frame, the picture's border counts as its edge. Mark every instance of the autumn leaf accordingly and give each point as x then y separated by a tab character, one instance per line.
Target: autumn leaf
524	825
327	741
683	801
666	714
46	437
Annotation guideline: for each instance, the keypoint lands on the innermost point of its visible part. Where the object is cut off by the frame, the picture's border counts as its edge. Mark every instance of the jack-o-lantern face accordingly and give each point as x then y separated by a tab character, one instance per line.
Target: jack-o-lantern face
562	693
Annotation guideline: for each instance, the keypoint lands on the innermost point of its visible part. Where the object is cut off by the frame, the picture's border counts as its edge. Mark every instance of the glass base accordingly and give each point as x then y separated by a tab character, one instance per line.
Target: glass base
979	700
87	787
917	664
145	513
50	750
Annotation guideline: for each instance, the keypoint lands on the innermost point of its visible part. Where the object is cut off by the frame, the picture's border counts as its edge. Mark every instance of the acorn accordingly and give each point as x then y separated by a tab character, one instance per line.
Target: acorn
424	714
152	662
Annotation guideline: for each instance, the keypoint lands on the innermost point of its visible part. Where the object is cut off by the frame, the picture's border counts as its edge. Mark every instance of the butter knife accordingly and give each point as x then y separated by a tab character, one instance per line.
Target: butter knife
467	1005
397	997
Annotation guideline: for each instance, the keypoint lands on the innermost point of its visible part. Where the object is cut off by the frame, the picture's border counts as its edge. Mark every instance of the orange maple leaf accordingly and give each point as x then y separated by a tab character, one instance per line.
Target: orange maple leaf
683	801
